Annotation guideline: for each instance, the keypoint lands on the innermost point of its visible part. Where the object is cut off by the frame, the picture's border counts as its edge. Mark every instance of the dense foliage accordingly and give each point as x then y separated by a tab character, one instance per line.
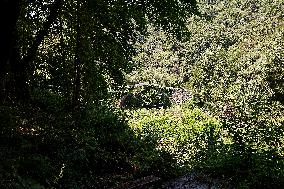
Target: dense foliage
98	94
60	61
233	66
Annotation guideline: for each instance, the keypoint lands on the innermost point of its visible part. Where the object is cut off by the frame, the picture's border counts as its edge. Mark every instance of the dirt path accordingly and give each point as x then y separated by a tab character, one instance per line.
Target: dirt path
188	181
194	181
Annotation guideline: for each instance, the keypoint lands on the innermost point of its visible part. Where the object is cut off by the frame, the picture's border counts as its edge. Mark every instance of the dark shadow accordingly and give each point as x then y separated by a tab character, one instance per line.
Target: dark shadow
90	148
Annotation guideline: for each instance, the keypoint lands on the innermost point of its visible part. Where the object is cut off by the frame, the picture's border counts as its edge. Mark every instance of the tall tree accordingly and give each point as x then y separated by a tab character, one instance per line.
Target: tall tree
20	65
104	33
9	13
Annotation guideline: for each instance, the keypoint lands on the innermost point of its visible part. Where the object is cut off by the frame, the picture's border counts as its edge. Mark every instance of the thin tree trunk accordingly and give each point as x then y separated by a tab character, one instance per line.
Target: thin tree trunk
54	11
77	67
25	65
11	65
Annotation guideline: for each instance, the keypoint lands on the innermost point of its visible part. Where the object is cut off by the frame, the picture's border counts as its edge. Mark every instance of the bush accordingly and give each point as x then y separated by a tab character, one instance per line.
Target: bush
180	131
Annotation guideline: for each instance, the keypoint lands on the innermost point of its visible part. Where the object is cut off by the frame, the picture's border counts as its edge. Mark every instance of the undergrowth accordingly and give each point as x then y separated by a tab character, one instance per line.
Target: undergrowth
202	143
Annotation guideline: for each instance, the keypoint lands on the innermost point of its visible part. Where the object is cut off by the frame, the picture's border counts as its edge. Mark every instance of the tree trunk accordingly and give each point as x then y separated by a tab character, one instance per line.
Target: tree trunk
78	62
26	67
9	13
14	71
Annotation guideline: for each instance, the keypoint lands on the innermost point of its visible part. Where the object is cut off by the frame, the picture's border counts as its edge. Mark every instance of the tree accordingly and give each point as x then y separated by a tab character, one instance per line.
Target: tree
105	33
61	59
234	63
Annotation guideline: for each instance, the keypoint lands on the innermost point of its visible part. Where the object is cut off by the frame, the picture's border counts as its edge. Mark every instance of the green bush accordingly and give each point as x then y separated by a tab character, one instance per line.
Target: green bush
233	66
179	130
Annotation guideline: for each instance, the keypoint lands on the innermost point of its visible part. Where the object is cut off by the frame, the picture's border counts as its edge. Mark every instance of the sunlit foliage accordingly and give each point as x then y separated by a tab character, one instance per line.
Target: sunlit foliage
233	66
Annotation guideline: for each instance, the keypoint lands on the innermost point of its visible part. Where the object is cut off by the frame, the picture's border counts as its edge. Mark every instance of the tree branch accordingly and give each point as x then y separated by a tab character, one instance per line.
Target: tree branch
42	33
